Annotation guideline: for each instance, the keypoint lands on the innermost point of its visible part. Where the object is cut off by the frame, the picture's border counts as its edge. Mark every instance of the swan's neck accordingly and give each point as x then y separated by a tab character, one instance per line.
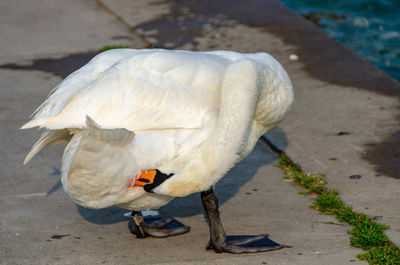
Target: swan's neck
227	142
239	96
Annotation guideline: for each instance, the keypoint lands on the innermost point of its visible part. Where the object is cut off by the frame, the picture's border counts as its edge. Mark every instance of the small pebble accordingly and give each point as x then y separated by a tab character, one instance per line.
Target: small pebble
343	133
293	57
355	177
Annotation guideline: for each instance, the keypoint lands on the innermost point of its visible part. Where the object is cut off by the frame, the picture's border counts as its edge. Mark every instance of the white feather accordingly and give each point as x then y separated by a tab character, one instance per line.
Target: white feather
194	114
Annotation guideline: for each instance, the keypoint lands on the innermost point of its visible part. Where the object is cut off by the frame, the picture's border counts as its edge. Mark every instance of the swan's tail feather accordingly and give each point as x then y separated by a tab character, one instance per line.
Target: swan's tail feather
120	137
48	137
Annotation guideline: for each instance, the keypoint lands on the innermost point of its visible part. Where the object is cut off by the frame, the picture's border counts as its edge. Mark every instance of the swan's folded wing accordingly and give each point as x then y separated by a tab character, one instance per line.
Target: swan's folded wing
138	91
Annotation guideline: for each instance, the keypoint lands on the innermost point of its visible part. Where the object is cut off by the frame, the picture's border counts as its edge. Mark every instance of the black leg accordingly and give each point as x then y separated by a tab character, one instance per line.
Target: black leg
138	223
217	233
155	227
233	244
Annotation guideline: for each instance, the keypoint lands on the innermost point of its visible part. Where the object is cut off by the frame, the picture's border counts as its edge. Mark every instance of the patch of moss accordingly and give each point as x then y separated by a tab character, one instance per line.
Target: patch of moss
366	234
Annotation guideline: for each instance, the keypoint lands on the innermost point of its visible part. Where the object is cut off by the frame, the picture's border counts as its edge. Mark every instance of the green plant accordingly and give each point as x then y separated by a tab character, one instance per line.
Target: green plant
366	234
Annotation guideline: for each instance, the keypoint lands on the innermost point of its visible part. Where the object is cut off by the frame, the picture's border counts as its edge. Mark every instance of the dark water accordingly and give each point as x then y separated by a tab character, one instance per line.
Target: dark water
371	28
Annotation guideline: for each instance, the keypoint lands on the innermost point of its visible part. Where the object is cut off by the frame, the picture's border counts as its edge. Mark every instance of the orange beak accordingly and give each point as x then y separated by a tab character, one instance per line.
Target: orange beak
146	177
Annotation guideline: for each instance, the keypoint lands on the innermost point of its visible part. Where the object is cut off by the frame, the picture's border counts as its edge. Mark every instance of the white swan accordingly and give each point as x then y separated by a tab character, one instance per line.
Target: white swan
190	115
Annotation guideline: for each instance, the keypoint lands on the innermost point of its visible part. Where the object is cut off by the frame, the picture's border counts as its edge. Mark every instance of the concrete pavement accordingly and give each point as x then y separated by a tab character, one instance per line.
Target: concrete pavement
44	41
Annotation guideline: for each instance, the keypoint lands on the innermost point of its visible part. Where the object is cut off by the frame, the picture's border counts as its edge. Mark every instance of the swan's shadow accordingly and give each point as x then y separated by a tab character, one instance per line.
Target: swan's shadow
225	189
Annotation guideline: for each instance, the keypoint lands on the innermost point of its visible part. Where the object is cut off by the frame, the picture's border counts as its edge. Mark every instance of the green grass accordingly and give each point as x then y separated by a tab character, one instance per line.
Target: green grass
111	47
366	234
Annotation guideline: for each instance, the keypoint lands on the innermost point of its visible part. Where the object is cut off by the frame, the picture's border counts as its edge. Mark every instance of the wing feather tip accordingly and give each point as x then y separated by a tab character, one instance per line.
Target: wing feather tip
30	124
26	160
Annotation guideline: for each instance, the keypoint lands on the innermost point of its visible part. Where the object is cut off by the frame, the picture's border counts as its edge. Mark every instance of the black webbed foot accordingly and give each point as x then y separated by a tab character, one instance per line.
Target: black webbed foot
245	244
156	226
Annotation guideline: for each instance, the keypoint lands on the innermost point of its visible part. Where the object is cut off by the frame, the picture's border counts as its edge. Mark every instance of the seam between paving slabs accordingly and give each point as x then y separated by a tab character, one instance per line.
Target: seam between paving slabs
125	23
366	234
